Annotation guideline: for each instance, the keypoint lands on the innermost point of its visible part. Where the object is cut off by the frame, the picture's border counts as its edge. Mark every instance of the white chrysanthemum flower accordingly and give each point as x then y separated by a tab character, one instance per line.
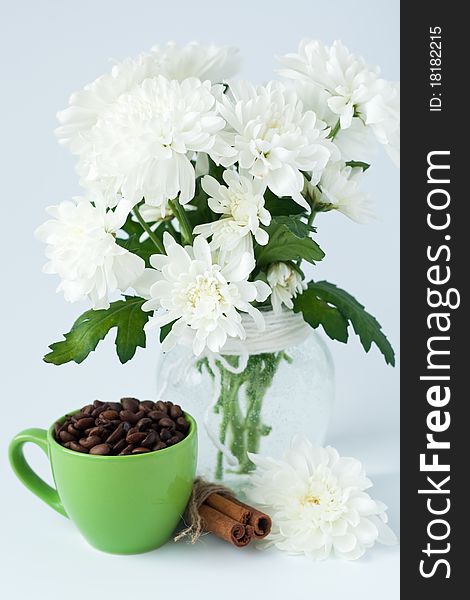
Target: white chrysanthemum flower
82	250
241	204
142	142
273	138
174	62
382	115
212	62
318	503
340	187
354	89
285	282
202	298
357	142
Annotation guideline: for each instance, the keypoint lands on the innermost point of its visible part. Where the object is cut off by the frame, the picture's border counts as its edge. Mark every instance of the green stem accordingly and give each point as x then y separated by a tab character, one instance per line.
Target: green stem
334	132
256	391
225	406
148	231
312	216
182	218
243	433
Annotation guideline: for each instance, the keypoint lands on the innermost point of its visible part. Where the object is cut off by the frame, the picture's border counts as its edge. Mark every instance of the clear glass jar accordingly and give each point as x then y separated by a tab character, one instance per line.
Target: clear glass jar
254	395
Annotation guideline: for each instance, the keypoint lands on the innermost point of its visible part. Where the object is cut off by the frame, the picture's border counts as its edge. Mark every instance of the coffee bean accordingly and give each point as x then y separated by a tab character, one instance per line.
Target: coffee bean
77	416
65	436
175	412
156	415
109	415
179	435
77	447
182	424
96	431
143	423
172	441
101	449
166	422
119	446
150	439
122	428
135	438
159	445
71	429
161	406
98	410
116	435
84	423
140	450
131	404
165	435
90	441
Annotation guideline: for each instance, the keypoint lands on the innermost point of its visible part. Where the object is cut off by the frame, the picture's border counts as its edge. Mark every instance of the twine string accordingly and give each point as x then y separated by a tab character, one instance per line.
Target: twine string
194	525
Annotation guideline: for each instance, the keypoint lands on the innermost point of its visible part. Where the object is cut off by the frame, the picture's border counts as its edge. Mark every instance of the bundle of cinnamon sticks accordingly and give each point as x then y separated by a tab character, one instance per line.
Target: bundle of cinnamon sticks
233	521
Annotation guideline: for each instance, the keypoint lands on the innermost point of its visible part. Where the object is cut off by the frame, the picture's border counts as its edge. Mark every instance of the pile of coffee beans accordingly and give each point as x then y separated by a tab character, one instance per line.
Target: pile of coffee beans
123	428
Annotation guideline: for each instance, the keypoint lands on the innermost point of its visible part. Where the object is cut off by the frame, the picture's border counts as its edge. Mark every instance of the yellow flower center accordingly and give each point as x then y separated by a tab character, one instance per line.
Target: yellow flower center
311	500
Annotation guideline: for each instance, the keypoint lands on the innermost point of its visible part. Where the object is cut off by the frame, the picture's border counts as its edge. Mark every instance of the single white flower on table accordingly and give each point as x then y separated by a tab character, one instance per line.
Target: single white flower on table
340	187
202	298
241	204
174	62
355	89
285	282
272	137
318	503
141	145
82	250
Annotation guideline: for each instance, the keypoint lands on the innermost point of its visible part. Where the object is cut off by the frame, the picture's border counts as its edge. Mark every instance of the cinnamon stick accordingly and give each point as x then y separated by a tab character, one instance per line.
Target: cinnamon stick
261	522
225	527
227	506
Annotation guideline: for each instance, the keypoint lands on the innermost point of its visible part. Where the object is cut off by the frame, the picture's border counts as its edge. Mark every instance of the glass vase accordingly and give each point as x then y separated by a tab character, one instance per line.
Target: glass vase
253	396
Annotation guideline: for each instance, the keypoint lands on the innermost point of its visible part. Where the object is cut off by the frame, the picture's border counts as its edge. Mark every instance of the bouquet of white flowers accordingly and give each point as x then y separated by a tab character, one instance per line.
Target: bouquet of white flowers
200	197
201	192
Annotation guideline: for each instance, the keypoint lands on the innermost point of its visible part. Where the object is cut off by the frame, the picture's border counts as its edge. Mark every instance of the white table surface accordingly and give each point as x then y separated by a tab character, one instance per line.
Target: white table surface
50	49
42	554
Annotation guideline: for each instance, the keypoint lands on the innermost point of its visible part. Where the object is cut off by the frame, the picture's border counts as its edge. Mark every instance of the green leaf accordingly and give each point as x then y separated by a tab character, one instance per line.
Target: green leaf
358	163
364	324
146	248
93	326
143	249
131	226
318	312
296	225
281	206
288	240
165	330
200	213
216	171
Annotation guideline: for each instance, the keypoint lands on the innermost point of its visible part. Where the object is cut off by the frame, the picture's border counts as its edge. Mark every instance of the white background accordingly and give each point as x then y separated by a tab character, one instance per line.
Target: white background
49	49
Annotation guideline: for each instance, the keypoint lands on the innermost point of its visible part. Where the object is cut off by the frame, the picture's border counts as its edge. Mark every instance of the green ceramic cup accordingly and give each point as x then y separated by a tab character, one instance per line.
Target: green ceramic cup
120	504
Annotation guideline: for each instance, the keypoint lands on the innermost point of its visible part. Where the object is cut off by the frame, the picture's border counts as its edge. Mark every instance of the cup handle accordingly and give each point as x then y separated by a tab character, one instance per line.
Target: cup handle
24	472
